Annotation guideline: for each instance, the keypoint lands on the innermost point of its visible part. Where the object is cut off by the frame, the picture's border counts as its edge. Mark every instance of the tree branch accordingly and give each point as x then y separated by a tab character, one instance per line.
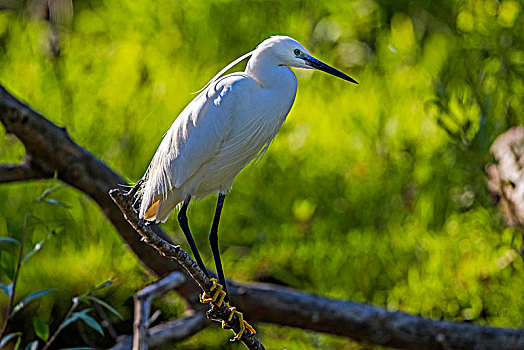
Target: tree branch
359	321
19	172
143	299
506	174
51	148
173	331
219	312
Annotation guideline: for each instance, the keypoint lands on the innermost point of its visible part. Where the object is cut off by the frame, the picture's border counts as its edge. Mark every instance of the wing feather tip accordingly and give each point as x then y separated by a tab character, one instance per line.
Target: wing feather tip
150	213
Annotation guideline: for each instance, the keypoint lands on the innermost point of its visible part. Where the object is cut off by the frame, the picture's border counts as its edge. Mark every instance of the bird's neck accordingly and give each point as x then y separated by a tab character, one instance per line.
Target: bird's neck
270	75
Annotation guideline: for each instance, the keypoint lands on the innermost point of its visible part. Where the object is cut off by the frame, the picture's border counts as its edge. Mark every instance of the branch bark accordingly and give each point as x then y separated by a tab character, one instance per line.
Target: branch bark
143	300
52	150
173	331
506	175
19	172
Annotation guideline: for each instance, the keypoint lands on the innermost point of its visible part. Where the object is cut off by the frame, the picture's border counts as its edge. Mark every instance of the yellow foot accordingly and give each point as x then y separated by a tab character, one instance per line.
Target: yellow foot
218	296
243	324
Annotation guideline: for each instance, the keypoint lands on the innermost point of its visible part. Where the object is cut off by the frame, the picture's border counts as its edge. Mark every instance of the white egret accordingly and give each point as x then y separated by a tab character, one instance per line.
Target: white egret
231	122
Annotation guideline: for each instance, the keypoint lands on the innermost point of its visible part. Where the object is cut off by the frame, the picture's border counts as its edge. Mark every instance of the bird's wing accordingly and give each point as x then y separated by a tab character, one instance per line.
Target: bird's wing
194	138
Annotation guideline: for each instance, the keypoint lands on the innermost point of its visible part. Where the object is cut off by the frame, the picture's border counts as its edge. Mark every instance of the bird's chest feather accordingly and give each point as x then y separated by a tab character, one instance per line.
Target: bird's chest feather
261	117
251	116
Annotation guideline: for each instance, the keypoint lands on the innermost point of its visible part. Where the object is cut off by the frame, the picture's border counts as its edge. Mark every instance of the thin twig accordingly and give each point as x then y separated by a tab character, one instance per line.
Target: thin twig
143	301
15	278
61	326
106	323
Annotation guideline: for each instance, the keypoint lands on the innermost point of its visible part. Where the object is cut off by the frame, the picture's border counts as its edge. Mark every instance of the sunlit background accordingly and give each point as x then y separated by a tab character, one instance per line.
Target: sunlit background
375	193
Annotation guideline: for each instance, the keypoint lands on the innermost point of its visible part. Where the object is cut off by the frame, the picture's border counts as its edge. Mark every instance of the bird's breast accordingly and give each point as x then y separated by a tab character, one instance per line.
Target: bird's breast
254	115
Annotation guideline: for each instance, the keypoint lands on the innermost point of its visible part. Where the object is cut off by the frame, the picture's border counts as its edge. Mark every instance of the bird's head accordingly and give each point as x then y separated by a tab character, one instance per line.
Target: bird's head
286	51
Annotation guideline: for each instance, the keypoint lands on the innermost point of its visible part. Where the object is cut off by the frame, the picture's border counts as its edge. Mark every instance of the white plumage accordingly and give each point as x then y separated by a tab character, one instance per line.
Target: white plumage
232	121
225	127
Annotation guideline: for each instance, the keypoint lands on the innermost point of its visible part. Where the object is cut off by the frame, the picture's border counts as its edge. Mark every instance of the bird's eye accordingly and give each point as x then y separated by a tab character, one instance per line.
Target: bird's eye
296	52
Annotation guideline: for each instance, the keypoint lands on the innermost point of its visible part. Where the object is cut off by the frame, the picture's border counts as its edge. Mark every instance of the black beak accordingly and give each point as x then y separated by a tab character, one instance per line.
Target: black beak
316	64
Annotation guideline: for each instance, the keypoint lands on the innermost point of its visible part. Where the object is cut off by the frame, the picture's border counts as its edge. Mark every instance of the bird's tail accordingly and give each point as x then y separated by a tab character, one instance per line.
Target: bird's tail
159	210
156	207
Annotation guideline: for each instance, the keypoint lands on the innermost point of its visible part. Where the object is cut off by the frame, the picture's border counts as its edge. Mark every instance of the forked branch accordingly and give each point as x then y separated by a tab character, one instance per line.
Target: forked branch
170	332
19	172
143	300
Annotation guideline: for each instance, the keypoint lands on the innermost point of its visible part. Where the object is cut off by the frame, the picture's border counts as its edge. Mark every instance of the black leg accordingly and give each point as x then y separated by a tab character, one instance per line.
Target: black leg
213	240
182	220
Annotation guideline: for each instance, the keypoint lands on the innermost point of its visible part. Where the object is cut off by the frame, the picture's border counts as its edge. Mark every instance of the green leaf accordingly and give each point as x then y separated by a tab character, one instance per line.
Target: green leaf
37	247
8	337
17	345
32	345
41	329
86	318
30	298
77	349
106	305
103	284
47	192
55	202
75	316
8	239
91	322
7	289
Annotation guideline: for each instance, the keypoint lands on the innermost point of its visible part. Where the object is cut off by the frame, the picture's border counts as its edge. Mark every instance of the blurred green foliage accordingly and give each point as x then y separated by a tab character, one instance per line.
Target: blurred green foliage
375	193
